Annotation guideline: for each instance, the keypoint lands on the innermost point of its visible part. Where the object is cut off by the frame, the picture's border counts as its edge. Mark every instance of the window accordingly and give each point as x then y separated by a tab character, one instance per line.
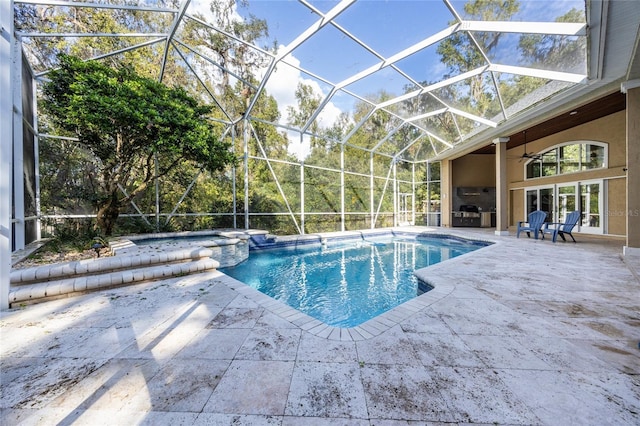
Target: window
568	158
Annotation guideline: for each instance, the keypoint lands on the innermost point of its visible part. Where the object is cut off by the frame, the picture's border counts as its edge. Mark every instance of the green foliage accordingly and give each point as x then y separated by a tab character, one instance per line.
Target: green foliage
556	52
76	235
120	116
126	121
308	103
224	50
133	225
67	177
460	54
43	55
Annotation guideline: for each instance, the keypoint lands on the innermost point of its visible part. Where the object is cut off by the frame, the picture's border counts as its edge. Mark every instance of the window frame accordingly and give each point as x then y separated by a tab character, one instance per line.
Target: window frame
559	160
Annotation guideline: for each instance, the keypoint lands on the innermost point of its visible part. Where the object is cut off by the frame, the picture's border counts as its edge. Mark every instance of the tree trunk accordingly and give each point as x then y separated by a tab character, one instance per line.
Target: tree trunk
107	215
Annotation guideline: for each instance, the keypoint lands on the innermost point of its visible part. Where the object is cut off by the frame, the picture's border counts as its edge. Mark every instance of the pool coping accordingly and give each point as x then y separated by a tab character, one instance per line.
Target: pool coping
381	323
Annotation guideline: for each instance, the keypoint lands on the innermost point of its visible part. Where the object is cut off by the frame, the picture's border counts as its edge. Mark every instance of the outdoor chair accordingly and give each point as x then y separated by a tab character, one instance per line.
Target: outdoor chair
534	224
562	228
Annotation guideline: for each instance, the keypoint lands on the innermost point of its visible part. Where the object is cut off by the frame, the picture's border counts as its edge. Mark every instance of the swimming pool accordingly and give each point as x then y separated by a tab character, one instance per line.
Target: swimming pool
346	283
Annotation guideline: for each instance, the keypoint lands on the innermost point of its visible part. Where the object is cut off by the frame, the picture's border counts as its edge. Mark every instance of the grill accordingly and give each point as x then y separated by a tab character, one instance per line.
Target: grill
467	210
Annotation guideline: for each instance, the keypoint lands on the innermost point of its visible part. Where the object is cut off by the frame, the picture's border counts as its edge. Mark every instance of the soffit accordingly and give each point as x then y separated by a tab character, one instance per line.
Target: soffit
602	107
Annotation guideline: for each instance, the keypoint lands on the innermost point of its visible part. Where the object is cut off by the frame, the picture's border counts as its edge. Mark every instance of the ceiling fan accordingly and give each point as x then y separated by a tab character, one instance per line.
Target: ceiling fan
528	155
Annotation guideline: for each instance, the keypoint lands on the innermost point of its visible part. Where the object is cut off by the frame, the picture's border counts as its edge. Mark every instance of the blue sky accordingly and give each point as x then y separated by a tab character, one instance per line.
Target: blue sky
386	26
334	56
330	53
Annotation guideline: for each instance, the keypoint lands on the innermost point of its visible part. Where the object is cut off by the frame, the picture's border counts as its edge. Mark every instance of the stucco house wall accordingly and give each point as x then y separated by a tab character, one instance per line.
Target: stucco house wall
479	170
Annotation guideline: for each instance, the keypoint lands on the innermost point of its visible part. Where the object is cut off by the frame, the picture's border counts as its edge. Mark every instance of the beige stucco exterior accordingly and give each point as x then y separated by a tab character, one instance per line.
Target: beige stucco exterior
445	179
480	170
474	170
616	206
609	129
632	210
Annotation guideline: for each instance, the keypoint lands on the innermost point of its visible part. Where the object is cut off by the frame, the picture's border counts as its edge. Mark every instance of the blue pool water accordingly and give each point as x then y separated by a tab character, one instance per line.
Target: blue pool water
346	284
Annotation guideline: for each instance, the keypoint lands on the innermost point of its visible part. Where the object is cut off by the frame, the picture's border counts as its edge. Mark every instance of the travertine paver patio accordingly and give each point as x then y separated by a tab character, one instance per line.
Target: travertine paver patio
529	332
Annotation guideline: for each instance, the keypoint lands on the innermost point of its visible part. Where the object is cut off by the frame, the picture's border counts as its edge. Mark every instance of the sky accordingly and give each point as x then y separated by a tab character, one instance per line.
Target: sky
386	26
333	56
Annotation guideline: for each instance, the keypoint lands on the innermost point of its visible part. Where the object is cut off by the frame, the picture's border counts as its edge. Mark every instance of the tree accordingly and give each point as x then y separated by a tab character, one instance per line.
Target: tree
552	51
460	54
43	51
308	102
127	122
228	53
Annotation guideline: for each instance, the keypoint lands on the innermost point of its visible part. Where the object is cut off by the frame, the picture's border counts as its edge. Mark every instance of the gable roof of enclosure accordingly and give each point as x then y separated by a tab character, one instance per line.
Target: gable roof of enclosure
443	78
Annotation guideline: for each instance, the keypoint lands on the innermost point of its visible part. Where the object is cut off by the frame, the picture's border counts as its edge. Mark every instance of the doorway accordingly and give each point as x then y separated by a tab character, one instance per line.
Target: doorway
405	209
559	200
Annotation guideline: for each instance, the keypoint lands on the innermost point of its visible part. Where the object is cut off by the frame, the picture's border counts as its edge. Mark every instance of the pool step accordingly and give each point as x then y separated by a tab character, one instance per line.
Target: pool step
71	278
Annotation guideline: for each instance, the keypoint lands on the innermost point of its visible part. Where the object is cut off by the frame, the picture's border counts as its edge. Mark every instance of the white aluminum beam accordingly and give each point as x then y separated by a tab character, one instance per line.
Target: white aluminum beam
214	63
473	117
116	35
409	145
333	13
427	115
184	195
371	194
227	34
432	135
64	138
115	52
302	205
497	87
387	137
338	9
318	110
275	178
384	189
399	56
134	205
432	87
531	72
456	79
96	5
6	147
342	203
358	126
549	28
344	31
204	86
174	26
18	145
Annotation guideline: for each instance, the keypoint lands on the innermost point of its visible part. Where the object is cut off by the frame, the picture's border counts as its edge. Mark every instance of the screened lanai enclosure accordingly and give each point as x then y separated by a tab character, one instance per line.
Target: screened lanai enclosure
336	111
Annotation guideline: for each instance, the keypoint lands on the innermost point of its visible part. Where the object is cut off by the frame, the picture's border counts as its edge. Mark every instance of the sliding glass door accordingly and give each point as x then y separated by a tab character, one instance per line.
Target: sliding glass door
591	206
567	201
541	199
561	199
